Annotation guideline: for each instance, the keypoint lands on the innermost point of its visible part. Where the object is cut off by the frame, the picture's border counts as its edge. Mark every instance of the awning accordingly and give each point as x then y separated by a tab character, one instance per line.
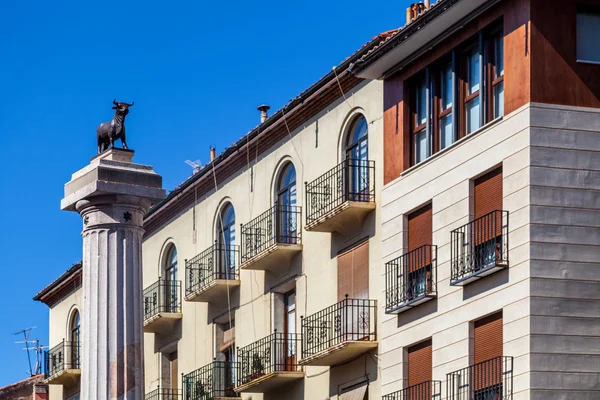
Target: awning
355	393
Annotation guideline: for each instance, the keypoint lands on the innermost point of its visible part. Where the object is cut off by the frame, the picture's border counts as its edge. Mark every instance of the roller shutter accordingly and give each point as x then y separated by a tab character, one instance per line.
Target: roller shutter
353	272
419	363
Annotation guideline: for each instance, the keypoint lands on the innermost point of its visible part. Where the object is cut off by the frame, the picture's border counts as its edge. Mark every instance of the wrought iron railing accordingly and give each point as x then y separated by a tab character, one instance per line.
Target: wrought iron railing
218	262
164	394
411	277
63	356
478	245
491	379
348	320
277	352
279	224
352	180
211	381
162	297
430	390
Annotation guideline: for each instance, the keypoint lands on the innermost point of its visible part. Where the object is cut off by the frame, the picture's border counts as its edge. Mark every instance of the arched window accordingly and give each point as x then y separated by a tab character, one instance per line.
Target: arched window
226	243
74	336
171	264
286	206
357	155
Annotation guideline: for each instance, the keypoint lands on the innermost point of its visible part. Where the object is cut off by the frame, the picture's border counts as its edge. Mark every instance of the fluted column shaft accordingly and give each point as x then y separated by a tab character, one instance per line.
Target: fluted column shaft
112	325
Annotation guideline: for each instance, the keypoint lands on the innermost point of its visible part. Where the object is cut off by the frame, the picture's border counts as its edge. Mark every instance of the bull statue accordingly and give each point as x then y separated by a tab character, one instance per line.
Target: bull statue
109	132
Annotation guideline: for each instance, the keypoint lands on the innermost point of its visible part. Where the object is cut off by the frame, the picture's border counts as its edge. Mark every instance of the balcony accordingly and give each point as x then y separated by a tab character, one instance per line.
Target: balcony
164	394
61	364
271	239
162	306
411	279
340	199
211	382
430	390
339	333
268	363
479	248
212	273
491	379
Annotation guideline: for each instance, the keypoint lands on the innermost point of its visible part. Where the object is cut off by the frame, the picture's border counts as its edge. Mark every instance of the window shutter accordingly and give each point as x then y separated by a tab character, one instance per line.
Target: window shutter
488	193
419	363
419	234
488	345
353	272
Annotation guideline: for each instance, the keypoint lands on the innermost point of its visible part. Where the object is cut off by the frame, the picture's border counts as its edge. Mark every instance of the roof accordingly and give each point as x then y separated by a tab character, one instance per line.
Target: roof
313	98
22	384
64	284
406	44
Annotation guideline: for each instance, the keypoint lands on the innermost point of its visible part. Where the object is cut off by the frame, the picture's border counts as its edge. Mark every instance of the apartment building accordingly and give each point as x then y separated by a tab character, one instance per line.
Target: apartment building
489	211
421	223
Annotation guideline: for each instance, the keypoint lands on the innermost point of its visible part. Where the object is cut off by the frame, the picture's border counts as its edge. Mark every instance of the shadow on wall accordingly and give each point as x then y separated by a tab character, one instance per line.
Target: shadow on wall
351	372
418	312
160	340
485	284
291	391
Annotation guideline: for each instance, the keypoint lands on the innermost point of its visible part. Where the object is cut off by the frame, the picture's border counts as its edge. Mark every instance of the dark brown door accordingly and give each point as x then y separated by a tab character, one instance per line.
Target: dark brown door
419	369
487	346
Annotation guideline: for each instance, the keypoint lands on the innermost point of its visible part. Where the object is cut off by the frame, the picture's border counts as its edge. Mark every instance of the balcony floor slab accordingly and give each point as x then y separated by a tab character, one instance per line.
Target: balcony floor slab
279	254
66	377
481	273
270	381
339	353
213	292
161	322
347	217
410	304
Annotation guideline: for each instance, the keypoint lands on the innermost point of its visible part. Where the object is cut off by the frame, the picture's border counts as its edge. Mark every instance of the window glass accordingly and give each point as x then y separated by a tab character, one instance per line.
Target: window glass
499	55
421	103
473	122
473	73
420	146
588	36
446	90
446	133
499	100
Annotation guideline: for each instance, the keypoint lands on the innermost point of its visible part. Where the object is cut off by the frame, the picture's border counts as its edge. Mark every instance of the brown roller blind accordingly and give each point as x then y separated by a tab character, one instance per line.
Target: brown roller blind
353	272
488	193
419	363
419	228
488	337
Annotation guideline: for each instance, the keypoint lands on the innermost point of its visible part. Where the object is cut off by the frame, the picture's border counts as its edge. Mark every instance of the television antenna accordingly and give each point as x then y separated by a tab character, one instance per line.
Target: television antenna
196	165
35	346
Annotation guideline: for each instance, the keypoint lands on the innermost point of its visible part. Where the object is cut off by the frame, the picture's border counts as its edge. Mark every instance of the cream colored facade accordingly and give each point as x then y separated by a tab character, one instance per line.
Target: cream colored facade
313	272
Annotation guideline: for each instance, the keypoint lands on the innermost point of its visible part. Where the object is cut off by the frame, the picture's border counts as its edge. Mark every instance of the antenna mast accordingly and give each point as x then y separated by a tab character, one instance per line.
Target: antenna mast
37	348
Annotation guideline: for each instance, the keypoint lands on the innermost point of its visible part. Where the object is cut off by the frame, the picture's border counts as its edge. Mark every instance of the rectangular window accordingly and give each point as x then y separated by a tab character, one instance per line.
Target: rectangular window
445	115
472	103
420	365
353	272
498	75
588	33
420	121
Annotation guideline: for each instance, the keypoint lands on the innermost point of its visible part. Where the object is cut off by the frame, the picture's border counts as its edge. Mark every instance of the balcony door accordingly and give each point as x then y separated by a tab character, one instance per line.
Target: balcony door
226	239
287	224
290	330
487	352
417	279
75	335
420	367
353	319
170	375
171	300
487	235
357	155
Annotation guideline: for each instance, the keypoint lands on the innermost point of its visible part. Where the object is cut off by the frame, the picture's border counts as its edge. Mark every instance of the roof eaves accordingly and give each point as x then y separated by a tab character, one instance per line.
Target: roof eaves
74	268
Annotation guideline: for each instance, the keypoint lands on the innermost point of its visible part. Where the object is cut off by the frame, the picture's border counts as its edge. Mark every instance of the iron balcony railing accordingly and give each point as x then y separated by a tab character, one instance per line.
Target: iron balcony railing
430	390
63	356
352	180
162	297
479	245
214	380
278	225
491	379
274	353
411	277
348	320
164	394
218	262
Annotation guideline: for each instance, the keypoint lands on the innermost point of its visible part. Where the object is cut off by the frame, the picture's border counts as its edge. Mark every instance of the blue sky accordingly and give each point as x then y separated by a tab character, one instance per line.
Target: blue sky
196	71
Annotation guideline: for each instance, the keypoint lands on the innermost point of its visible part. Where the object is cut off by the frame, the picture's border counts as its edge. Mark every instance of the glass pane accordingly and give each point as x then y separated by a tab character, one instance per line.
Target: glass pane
446	134
588	32
447	87
473	115
499	100
499	55
421	104
420	146
359	130
473	83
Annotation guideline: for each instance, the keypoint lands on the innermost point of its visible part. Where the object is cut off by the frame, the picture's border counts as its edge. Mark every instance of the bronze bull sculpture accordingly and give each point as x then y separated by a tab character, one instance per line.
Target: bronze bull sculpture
109	132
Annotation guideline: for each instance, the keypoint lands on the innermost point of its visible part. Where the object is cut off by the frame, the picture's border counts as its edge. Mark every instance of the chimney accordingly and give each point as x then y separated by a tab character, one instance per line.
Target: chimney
212	154
264	112
427	4
40	391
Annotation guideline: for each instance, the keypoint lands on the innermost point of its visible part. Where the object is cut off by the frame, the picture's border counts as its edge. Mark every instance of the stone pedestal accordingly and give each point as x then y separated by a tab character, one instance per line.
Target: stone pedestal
112	195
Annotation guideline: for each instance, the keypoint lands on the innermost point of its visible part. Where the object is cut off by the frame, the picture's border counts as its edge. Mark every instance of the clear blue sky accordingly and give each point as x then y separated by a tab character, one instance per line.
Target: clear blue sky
197	71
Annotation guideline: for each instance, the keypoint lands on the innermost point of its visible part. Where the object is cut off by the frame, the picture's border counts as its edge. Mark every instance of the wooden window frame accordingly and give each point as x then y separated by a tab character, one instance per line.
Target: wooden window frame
491	69
416	128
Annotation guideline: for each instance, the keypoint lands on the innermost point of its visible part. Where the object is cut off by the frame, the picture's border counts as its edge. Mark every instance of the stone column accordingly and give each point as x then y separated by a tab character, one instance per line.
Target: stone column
112	196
